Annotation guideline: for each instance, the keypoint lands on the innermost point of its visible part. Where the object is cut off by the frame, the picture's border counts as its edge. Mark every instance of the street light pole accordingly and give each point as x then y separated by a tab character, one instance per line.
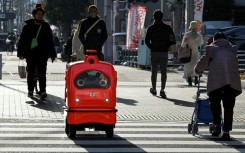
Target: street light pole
189	12
108	53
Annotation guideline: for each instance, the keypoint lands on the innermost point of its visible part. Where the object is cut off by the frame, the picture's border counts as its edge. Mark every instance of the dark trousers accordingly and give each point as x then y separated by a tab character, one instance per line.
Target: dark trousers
161	59
41	65
227	95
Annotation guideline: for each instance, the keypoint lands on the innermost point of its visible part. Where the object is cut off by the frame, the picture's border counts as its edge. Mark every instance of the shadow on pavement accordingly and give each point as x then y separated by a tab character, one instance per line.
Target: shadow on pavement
235	144
127	101
51	103
181	102
10	87
103	142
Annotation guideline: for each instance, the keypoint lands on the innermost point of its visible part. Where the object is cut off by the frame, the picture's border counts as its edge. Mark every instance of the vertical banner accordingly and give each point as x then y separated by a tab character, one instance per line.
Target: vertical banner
136	21
198	12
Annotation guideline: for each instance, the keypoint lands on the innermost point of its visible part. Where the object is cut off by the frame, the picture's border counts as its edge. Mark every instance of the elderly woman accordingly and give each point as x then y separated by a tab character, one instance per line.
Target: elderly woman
193	39
223	81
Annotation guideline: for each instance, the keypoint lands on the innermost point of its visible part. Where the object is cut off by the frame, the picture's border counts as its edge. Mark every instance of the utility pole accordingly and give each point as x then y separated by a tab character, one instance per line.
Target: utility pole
108	52
95	2
189	12
115	14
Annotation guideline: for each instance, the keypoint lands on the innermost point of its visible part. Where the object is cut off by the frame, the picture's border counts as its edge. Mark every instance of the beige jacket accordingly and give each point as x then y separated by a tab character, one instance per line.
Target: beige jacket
193	42
77	48
222	59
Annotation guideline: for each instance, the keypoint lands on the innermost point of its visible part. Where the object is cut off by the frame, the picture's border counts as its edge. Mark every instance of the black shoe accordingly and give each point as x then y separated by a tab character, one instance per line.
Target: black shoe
217	131
153	91
196	80
43	95
189	81
162	94
226	136
30	94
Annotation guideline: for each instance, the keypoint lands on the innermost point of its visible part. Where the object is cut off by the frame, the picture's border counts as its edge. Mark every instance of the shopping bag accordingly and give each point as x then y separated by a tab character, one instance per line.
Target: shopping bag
184	54
22	69
34	43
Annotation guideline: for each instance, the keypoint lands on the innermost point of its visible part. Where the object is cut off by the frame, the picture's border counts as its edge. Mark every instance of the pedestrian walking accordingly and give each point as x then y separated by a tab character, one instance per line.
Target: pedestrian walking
37	52
223	83
93	32
56	43
10	41
159	37
193	40
68	47
77	47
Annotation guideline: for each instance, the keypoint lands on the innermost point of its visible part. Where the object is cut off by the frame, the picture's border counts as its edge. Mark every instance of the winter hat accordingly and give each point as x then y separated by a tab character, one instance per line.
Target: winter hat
193	25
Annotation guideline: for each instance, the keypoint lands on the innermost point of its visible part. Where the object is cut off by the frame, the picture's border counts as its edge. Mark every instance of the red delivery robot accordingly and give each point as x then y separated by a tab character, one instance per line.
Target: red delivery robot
90	96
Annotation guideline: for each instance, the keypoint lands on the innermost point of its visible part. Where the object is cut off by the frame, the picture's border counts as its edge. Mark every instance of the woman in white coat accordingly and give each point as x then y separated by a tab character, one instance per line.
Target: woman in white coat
194	40
77	47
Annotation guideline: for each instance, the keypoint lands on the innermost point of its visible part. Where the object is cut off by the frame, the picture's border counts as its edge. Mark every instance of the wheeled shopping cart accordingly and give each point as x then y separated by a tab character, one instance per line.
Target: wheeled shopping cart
202	115
90	96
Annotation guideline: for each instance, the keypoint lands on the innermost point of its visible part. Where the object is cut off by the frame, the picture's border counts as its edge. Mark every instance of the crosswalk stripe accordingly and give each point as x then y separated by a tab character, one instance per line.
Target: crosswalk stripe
118	124
128	137
40	135
120	142
163	129
124	149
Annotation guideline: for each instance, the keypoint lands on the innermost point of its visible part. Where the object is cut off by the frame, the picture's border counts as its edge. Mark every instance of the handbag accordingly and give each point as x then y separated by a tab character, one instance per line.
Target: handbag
184	54
34	42
22	69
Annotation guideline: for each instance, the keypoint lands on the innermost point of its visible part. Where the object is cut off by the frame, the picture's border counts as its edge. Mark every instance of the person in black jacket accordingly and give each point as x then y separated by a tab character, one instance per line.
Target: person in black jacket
97	36
36	57
68	47
159	37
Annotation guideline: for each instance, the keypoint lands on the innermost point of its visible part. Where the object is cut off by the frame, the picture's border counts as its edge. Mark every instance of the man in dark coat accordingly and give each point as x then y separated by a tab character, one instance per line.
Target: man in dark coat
56	43
68	47
36	57
97	36
159	37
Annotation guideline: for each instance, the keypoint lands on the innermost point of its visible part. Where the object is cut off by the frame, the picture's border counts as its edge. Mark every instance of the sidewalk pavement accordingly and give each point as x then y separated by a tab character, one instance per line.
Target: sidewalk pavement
134	102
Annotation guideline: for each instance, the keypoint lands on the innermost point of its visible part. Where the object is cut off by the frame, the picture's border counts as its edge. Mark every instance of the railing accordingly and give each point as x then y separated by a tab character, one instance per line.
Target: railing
129	57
